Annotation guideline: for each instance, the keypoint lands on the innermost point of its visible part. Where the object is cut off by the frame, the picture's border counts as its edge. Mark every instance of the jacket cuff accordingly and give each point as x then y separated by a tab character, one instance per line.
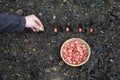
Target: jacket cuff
21	27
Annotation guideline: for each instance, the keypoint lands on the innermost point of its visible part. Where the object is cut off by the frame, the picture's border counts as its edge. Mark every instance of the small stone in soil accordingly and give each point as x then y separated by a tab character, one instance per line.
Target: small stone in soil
61	63
51	57
20	11
47	70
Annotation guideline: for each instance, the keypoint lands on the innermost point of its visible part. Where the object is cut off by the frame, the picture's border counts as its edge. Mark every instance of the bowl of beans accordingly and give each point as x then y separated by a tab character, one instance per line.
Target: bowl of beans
75	52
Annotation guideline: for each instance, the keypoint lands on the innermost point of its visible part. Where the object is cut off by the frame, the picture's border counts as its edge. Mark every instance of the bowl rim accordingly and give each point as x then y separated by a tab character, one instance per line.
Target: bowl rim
83	42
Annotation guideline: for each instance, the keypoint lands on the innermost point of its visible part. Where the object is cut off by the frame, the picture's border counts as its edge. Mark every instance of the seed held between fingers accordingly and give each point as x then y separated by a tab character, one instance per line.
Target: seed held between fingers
40	29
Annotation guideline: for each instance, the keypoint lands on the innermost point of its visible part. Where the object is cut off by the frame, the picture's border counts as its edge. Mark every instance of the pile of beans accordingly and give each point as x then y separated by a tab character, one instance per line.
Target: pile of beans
74	52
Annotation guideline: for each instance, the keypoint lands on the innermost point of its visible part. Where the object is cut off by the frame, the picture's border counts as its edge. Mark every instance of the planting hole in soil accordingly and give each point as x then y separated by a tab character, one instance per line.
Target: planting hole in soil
75	52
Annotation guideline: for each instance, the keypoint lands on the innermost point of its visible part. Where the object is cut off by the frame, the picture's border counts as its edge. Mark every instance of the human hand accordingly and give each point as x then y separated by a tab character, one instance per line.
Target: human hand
34	23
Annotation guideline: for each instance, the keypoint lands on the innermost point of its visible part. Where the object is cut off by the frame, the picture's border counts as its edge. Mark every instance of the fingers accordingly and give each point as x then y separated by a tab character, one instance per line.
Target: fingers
34	29
38	22
34	23
38	28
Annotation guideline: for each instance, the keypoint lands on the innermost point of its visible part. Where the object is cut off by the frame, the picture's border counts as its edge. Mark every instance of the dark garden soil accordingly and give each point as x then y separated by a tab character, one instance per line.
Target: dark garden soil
36	56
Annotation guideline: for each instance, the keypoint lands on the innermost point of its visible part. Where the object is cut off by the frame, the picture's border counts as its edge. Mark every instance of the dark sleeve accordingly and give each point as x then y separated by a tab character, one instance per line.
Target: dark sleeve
11	23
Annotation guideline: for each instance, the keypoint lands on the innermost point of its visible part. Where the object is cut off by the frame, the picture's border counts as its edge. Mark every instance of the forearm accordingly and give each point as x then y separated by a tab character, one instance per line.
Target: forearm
11	23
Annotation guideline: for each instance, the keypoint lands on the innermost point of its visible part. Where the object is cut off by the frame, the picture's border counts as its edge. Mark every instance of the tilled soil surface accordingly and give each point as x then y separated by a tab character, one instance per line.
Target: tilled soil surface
36	56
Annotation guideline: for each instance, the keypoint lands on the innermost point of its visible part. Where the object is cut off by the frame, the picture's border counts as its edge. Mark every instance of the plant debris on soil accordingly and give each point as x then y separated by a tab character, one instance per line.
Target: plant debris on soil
36	56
